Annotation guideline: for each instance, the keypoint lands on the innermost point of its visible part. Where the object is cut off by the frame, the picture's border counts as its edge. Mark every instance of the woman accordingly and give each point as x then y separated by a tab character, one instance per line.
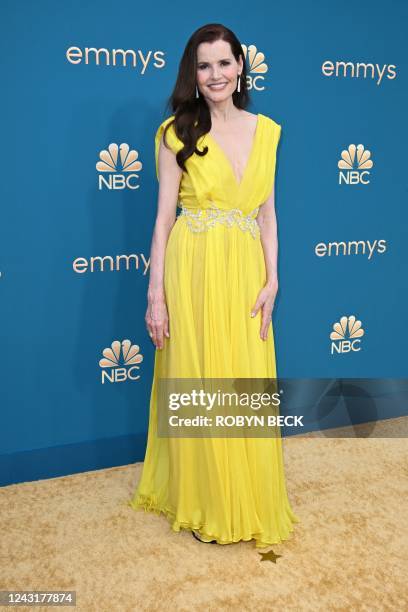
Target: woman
213	282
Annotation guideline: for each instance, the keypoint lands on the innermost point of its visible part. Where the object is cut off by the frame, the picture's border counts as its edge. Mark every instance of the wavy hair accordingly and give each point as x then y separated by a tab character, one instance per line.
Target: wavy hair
192	118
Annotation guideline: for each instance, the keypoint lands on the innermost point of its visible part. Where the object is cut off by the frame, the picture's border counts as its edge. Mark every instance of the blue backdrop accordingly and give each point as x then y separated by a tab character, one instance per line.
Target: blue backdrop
84	76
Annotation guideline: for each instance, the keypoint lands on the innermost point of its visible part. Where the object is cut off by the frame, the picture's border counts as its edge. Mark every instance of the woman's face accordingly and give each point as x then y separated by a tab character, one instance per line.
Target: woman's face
217	70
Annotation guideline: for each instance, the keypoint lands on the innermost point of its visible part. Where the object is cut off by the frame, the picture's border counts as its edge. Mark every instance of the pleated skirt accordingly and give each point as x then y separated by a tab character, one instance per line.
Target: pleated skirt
230	488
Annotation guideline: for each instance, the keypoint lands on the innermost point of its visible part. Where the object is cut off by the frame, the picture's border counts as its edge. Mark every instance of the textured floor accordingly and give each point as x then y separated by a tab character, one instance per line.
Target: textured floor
348	553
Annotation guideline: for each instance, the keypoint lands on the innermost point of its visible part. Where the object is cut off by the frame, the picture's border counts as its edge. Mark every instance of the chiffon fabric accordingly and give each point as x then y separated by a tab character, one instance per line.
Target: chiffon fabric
227	489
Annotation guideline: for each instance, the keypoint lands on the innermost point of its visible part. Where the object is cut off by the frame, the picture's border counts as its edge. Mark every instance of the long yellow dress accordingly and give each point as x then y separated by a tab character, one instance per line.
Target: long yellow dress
228	489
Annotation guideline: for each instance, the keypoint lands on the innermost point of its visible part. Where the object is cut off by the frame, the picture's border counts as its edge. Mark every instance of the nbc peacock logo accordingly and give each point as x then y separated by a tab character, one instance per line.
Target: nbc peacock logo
118	167
257	67
354	165
346	335
120	362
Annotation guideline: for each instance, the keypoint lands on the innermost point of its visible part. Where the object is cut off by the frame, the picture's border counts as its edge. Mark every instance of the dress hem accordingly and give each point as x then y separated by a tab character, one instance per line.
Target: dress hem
149	504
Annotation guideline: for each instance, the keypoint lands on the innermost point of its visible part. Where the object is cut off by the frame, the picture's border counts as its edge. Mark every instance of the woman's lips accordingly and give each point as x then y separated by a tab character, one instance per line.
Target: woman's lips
217	86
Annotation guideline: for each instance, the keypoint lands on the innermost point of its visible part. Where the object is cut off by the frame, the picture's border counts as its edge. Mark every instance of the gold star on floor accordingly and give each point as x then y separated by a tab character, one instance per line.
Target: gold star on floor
269	556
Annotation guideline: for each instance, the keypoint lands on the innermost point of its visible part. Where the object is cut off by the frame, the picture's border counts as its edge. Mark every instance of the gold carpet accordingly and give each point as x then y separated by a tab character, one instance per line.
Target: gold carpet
348	553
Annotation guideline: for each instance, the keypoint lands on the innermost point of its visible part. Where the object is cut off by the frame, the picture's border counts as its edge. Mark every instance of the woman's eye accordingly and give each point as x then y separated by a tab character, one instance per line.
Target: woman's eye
203	66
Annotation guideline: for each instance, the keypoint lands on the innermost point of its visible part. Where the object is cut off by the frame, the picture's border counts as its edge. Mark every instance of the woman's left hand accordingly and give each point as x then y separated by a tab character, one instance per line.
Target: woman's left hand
266	301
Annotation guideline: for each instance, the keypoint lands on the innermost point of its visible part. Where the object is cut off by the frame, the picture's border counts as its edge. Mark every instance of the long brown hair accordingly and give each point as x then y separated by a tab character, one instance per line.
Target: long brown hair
192	116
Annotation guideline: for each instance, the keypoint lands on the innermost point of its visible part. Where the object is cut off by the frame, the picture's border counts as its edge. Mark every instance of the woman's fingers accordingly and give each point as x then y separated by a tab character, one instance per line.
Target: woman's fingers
166	328
158	335
266	320
157	323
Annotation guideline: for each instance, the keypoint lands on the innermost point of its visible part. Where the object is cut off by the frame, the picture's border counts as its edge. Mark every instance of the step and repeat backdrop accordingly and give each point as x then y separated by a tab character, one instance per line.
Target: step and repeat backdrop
84	88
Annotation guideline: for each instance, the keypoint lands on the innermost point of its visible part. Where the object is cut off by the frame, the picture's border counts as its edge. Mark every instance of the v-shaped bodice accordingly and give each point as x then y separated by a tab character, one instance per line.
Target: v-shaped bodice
210	180
225	158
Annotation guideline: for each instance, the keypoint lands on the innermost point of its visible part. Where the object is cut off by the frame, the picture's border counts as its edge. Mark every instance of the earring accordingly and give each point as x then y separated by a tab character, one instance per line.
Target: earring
197	94
239	83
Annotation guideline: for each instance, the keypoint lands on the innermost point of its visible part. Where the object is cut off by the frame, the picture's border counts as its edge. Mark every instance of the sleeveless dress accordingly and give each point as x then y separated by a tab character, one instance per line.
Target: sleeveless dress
227	489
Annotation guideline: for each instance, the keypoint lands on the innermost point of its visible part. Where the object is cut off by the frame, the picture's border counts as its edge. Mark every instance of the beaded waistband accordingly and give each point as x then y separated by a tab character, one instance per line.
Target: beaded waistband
201	219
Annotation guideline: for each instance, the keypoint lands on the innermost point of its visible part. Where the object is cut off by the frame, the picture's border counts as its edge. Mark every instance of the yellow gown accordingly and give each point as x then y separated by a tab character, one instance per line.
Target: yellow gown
228	489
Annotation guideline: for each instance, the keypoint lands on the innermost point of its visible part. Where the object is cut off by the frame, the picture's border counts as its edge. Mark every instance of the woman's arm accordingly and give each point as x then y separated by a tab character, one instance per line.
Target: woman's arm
269	237
169	181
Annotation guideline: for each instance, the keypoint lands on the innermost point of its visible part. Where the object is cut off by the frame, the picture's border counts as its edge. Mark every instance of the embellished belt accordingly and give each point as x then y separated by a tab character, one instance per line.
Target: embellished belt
199	222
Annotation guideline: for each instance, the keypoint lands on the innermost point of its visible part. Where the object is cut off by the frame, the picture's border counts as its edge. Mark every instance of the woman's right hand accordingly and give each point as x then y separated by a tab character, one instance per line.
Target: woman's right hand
157	320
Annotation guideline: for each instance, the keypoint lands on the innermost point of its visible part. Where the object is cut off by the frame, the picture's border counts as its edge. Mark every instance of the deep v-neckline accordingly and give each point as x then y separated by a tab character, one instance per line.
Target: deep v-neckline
250	157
